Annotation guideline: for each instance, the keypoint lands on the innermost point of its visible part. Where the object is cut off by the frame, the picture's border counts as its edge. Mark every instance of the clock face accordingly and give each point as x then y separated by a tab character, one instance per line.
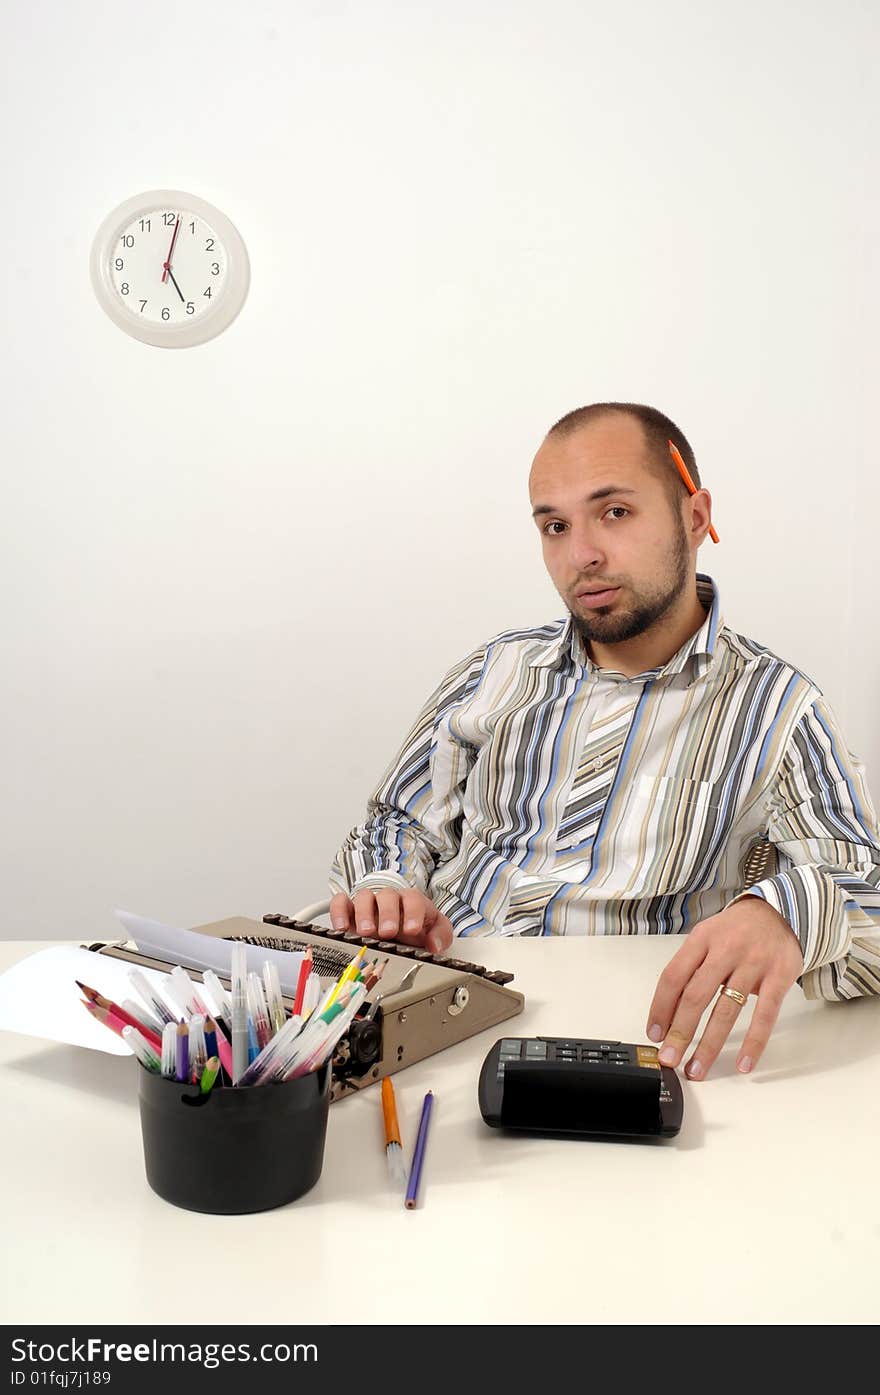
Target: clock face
170	269
169	266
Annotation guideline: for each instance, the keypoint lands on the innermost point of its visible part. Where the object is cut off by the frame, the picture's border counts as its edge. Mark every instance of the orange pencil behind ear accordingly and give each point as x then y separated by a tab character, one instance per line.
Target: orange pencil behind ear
686	476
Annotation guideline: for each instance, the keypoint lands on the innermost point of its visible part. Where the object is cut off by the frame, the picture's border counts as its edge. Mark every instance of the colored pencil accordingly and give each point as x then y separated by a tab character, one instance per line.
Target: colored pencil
415	1174
107	1003
686	476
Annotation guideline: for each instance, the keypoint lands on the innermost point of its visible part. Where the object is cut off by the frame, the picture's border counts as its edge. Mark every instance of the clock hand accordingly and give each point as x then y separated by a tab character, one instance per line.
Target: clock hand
176	287
167	263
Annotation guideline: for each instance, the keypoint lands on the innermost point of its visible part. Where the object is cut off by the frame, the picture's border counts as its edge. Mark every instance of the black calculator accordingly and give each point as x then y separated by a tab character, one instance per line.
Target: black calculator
565	1085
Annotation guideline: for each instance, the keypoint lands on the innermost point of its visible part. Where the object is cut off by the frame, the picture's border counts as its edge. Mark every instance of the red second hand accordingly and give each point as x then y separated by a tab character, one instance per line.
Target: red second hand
167	264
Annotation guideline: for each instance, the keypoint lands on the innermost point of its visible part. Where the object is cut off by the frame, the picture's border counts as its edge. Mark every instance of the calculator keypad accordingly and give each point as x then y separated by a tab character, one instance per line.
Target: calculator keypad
605	1053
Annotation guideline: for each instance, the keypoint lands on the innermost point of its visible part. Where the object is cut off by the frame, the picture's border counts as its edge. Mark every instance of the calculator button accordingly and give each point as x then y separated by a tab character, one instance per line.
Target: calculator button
594	1055
536	1050
510	1044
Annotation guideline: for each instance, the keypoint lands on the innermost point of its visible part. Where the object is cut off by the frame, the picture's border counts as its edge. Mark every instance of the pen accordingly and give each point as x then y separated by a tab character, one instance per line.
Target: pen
324	1048
312	995
151	997
140	1014
198	1053
274	1000
258	1010
142	1049
419	1154
221	998
169	1050
686	476
239	1011
393	1149
183	991
261	1070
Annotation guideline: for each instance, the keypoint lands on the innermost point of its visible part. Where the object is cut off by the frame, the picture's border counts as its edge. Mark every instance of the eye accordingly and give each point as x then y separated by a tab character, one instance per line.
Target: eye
618	508
554	523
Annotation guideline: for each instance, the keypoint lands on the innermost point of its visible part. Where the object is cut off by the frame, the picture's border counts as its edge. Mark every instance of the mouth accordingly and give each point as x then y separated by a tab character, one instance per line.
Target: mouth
592	599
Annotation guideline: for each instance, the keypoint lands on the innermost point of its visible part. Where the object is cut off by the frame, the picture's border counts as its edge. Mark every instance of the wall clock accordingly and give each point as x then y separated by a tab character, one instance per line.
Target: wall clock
169	269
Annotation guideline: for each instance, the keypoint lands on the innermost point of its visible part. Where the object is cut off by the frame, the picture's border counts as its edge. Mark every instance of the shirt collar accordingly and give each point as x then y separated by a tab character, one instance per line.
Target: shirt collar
694	658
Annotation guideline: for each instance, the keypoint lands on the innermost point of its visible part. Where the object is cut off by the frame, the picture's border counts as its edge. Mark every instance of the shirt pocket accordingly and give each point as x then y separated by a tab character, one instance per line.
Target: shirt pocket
668	836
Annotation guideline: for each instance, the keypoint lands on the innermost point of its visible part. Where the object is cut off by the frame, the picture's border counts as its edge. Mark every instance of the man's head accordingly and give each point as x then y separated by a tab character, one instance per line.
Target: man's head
641	536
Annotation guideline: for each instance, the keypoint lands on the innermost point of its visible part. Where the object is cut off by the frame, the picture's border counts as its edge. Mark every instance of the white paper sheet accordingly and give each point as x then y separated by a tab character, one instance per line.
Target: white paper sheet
196	951
39	996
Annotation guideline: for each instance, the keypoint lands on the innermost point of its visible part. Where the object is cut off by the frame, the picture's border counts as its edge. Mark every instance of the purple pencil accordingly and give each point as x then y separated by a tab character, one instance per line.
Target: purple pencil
183	1052
415	1172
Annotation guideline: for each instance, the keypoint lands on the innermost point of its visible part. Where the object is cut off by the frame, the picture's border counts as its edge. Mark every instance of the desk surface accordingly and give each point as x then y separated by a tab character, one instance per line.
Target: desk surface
760	1211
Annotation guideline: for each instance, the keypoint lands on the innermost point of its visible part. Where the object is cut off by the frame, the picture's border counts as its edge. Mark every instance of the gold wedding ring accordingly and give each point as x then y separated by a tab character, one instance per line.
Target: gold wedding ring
734	993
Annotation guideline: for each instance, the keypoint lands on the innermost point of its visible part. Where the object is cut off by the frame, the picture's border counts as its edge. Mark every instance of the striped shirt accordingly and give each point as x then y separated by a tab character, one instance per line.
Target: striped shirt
537	794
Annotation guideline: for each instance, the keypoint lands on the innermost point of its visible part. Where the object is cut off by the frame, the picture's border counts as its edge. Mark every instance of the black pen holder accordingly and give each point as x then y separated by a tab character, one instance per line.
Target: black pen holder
234	1150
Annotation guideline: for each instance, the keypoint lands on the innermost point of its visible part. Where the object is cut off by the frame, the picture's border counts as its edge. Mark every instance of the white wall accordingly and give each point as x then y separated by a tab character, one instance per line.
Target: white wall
232	573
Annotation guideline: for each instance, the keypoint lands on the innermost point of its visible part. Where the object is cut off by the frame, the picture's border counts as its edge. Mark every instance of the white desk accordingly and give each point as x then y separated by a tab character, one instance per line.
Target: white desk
760	1211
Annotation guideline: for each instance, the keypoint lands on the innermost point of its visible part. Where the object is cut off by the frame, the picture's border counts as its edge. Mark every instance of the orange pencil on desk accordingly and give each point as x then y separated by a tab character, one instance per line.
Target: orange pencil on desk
686	476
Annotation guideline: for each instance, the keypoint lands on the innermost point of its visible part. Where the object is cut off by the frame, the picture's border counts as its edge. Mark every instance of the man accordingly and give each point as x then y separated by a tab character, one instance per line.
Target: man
607	774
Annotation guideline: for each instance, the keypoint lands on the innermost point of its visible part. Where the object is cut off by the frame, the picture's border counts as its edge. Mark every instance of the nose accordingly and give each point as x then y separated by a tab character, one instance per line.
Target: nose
585	551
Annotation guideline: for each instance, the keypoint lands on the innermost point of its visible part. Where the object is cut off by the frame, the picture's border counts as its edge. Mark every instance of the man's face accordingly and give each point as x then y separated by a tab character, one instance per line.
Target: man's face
629	539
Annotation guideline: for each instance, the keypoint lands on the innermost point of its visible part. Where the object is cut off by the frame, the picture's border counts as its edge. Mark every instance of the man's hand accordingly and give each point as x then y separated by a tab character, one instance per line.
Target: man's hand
750	947
408	916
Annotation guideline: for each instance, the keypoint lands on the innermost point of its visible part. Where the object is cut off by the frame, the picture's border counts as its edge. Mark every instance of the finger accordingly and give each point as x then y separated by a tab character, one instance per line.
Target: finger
365	913
770	997
724	1016
414	906
679	971
341	911
695	997
388	910
439	932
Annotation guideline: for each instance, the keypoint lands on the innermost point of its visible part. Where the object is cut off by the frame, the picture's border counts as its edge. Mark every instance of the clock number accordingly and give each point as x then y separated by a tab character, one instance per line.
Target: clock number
209	244
168	219
166	313
118	263
143	306
190	308
207	293
124	288
127	240
192	228
215	268
145	224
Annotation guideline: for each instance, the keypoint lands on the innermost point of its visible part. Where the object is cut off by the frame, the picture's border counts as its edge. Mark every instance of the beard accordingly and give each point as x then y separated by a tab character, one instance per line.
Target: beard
613	628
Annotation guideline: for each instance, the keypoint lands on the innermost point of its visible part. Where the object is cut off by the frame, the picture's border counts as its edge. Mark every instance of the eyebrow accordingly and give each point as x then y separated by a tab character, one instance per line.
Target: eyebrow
603	493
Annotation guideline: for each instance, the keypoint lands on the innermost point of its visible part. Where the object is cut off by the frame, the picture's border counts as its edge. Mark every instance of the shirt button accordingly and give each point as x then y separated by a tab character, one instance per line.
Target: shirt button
597	764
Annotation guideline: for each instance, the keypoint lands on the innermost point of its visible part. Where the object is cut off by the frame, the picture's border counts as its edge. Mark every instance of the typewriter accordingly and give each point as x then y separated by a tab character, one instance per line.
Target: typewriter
422	1003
